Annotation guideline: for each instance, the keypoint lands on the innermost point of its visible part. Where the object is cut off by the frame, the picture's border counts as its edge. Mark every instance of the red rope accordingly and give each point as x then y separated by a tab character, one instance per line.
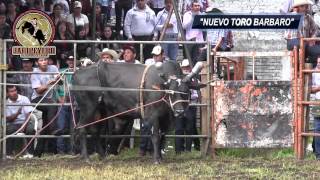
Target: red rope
124	112
72	110
50	122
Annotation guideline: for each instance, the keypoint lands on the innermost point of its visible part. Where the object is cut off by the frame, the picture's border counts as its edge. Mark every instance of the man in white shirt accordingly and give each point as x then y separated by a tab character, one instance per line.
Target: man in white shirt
171	34
41	84
16	116
193	34
140	25
77	19
316	109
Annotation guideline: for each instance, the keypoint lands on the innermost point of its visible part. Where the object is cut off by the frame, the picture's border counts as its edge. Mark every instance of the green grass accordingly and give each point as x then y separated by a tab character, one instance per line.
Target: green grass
228	164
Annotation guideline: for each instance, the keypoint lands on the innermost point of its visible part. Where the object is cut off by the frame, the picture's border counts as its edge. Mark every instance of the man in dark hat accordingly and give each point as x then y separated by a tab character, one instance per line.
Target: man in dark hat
129	55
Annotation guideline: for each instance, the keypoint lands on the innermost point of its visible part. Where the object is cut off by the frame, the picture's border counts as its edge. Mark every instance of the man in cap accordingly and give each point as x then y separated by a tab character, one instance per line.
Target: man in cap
108	55
186	124
158	55
77	19
129	55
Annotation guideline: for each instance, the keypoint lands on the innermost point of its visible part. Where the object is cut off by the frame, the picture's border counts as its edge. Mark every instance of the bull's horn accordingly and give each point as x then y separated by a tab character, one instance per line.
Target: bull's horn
195	70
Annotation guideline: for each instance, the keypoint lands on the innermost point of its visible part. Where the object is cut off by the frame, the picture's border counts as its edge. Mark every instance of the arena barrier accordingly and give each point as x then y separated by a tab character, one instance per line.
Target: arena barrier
205	104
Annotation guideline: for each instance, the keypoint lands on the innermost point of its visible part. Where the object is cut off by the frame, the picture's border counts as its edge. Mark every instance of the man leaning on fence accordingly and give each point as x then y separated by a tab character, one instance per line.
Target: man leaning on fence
41	84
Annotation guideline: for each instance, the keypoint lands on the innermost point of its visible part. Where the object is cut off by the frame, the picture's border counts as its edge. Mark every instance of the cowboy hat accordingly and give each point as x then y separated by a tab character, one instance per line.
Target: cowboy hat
297	3
111	52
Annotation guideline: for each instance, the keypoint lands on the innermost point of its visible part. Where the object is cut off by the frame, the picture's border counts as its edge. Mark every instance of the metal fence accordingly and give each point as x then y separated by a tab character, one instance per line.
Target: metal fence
4	73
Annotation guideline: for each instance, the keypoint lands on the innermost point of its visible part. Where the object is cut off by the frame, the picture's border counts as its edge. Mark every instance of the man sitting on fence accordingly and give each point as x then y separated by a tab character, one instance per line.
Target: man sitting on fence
15	117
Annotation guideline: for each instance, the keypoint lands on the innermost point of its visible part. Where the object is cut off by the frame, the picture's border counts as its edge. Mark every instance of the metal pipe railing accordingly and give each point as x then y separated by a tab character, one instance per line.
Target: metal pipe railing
109	136
121	42
75	42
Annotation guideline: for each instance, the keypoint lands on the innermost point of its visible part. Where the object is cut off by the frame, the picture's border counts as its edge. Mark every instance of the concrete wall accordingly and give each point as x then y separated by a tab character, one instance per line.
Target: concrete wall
273	68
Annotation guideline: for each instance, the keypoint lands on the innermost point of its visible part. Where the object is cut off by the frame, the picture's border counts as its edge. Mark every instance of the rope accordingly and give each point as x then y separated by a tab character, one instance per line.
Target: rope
29	117
72	109
38	133
142	87
124	112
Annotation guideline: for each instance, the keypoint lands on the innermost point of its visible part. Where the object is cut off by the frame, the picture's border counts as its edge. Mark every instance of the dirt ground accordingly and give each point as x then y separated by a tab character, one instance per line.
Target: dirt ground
128	165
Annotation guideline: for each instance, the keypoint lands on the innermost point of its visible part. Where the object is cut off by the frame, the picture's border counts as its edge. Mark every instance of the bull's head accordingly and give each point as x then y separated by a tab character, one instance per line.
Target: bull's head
179	89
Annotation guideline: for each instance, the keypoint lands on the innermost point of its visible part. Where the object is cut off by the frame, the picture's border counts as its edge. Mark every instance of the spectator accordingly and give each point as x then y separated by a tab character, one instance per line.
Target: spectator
63	49
158	56
11	13
65	6
38	4
129	55
108	55
87	8
25	79
77	19
81	48
139	25
106	6
316	110
187	5
220	40
156	5
57	15
193	34
16	116
125	6
65	116
5	30
101	20
186	124
308	29
171	34
3	8
48	6
41	84
108	34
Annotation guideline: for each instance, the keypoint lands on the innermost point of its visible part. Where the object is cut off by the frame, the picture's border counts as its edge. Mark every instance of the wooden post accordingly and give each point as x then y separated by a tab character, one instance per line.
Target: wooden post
204	110
179	22
1	97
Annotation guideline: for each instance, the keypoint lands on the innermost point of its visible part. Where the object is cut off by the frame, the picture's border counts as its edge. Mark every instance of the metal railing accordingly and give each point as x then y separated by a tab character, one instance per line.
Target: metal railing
75	42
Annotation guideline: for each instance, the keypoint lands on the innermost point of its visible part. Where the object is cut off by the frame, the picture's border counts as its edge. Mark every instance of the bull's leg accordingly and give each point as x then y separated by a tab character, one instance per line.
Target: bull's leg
155	137
99	143
83	144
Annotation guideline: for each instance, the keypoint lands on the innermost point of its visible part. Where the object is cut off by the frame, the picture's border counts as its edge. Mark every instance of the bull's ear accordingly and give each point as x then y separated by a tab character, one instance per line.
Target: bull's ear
197	86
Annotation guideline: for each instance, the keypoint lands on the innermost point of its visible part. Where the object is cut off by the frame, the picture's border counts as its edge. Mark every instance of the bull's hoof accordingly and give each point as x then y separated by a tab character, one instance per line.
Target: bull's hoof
157	162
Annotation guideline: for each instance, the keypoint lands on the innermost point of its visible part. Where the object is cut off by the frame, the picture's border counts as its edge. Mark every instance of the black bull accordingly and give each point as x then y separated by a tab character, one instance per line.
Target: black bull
166	77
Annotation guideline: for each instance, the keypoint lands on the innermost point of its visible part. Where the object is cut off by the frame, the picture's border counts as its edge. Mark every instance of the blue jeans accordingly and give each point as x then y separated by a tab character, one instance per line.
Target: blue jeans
63	123
317	139
170	50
